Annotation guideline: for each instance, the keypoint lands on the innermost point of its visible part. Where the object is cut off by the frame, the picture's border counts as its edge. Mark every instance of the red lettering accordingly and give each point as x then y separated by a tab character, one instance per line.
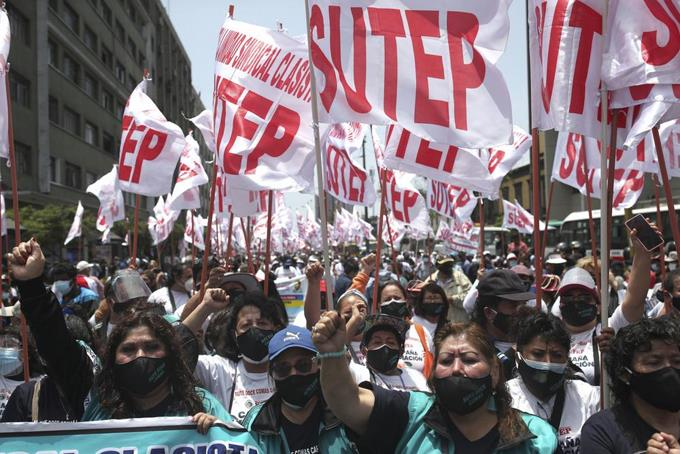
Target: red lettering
553	48
332	176
129	146
496	159
590	22
152	145
403	142
277	137
567	163
640	91
653	53
465	76
450	159
330	88
634	182
242	127
426	110
427	156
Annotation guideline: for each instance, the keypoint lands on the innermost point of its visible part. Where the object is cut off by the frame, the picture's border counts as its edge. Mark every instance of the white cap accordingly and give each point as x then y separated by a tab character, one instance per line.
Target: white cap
578	278
511	256
83	265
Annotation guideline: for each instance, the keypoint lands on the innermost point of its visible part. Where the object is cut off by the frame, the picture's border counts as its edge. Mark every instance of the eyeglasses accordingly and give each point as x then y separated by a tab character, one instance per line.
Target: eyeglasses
281	370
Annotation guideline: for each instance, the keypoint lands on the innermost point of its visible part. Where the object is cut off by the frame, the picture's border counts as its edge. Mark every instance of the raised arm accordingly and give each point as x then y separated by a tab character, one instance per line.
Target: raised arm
214	300
312	305
353	405
633	305
360	281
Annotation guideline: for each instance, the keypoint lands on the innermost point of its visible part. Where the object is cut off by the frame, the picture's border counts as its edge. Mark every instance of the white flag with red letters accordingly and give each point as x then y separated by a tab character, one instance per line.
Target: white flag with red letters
75	230
185	194
149	148
516	217
111	202
454	202
193	229
161	224
427	65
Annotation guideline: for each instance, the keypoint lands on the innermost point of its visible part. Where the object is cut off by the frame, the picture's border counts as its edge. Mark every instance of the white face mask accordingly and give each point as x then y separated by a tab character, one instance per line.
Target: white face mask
62	287
189	285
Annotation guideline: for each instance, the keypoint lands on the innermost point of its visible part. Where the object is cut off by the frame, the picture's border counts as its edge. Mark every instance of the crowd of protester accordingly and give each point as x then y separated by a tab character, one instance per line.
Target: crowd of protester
455	354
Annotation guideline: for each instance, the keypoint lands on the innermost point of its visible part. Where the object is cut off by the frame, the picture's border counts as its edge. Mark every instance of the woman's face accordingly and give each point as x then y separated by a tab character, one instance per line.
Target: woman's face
392	292
548	352
660	356
432	298
346	305
139	342
459	357
250	316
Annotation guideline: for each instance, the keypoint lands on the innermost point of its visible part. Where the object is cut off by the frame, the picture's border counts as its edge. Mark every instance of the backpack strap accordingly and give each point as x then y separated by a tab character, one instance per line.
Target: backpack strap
35	400
427	357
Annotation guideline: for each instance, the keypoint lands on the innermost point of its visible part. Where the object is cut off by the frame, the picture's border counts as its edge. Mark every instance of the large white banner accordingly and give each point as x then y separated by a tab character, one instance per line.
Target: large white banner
149	148
111	202
427	65
516	217
577	161
5	39
643	43
346	180
75	230
262	114
454	202
185	194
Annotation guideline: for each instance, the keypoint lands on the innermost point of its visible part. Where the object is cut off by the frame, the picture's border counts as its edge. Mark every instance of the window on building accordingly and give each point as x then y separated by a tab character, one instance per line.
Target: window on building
54	4
131	82
91	134
22	152
71	69
108	143
72	175
54	170
71	121
19	89
107	57
131	47
120	109
107	100
19	25
120	32
54	110
120	72
90	85
70	18
106	13
90	39
52	53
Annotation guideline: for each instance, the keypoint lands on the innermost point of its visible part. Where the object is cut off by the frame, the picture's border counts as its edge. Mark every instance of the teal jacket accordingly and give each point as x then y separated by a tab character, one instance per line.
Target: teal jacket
262	421
95	412
426	432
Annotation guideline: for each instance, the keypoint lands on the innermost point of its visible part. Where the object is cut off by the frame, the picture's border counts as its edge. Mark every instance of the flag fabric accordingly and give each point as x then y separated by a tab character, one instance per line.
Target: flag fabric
516	217
3	219
191	175
111	202
454	202
150	147
161	224
75	230
5	40
106	236
193	230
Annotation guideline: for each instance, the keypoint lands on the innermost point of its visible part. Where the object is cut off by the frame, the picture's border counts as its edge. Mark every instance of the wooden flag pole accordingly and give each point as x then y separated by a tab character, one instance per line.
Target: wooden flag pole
659	222
672	215
547	222
246	236
328	276
481	234
229	235
135	232
591	224
268	245
378	241
394	252
611	150
206	250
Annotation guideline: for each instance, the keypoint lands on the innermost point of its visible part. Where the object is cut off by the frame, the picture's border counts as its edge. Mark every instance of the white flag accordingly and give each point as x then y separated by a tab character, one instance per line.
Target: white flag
160	226
106	236
516	217
111	202
75	229
185	194
193	230
5	38
3	219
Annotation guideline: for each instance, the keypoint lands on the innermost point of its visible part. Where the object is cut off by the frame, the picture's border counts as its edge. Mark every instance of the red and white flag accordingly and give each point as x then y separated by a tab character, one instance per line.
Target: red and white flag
111	202
75	230
204	123
185	194
429	66
193	230
3	219
262	114
150	147
5	38
163	221
643	43
577	161
451	201
501	160
396	228
453	240
516	217
421	228
566	59
106	236
346	180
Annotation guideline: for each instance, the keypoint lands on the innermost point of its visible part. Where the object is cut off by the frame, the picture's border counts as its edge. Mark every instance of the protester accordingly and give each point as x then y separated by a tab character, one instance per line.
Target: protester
469	411
344	280
383	347
177	291
81	301
424	268
83	274
455	285
295	418
546	386
643	364
430	308
549	287
239	334
670	296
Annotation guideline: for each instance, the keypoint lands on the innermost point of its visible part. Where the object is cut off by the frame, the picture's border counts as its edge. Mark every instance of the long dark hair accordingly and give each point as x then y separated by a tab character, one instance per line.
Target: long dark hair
432	287
181	381
509	421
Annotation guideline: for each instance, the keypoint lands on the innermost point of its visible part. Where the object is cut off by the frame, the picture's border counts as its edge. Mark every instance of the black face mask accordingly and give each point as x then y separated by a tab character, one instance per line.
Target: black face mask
541	383
462	395
578	314
383	359
254	343
395	309
675	300
658	388
433	309
506	323
297	390
141	375
447	270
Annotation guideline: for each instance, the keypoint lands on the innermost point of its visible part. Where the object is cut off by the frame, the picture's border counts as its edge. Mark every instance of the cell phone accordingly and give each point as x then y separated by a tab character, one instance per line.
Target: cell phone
649	237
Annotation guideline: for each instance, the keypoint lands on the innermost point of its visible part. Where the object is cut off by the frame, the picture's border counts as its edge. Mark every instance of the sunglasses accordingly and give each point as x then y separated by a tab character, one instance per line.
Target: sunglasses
281	370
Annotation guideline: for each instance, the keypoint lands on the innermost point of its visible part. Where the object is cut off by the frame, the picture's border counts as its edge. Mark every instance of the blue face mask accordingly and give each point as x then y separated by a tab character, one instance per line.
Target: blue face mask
62	287
10	361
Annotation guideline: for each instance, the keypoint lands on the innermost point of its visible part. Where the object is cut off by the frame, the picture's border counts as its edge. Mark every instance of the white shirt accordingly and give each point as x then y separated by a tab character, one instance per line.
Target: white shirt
225	378
581	352
581	400
414	352
430	327
407	380
162	296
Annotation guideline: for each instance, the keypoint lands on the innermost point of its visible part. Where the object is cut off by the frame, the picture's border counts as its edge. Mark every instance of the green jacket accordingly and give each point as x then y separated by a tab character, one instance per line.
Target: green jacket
426	432
262	421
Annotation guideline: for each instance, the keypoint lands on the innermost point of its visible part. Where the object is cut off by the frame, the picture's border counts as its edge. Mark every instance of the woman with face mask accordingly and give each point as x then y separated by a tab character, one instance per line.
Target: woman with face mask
238	334
295	419
643	363
430	308
546	386
469	411
383	347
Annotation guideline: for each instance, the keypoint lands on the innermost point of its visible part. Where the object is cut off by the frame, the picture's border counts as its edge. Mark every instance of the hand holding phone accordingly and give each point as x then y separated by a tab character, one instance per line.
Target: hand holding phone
648	236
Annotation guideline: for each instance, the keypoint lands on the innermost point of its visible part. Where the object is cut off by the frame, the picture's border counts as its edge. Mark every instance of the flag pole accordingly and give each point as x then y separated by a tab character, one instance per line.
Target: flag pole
591	222
659	222
394	253
206	250
610	176
666	186
246	236
547	218
378	241
319	170
481	233
193	239
135	231
268	245
535	170
229	234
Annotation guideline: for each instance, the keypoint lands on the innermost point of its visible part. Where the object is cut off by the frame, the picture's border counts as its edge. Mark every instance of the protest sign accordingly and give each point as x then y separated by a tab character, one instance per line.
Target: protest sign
451	201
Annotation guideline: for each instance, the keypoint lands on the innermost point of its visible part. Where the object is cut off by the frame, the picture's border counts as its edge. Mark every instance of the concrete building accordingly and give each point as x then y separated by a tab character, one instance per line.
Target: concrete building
73	66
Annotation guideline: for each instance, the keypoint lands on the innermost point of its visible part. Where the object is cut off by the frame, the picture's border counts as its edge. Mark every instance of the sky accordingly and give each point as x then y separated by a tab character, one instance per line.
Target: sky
198	23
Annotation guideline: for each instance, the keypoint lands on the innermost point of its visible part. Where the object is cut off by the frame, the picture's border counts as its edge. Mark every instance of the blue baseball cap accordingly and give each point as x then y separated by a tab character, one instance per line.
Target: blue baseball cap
290	337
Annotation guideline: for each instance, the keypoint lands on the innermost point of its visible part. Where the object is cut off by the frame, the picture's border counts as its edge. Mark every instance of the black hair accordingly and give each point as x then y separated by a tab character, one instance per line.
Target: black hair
548	327
489	301
79	329
175	272
633	338
350	266
275	297
670	278
432	287
220	335
62	268
391	283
